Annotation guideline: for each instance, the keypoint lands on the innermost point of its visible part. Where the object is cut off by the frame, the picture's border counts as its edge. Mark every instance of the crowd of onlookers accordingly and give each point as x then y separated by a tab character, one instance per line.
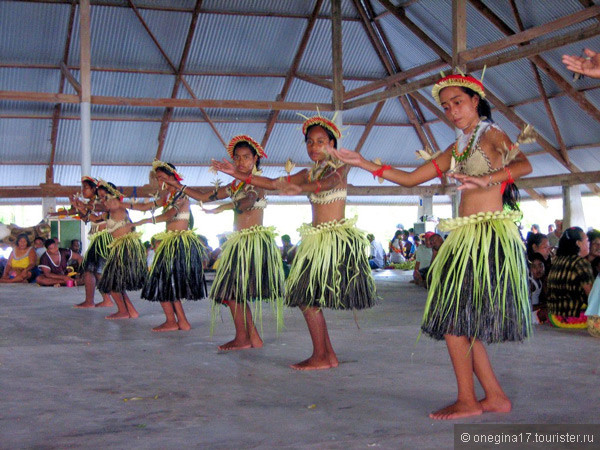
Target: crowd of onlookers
42	261
563	266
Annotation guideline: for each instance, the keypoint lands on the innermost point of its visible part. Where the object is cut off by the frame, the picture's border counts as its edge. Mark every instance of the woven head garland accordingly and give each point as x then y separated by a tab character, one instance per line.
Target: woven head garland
248	140
322	122
91	180
166	167
459	81
111	189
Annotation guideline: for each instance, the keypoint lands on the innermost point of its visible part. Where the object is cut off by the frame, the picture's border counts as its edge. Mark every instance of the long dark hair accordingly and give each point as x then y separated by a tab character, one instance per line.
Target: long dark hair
511	196
567	245
534	239
166	171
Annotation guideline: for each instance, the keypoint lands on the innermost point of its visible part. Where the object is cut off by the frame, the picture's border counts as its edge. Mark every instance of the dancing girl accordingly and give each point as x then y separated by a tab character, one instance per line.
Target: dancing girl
478	280
330	268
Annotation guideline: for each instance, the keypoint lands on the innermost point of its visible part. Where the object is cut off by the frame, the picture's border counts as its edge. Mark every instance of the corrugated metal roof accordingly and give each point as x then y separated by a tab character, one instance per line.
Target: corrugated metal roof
233	43
23	175
24	141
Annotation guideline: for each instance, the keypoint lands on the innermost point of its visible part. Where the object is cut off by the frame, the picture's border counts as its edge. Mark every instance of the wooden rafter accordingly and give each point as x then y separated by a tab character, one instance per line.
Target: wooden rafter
459	33
369	126
61	87
336	54
273	115
575	36
383	50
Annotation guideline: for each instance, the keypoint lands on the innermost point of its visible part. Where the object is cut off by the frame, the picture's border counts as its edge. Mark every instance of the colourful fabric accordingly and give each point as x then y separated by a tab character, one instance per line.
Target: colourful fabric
478	283
568	275
21	263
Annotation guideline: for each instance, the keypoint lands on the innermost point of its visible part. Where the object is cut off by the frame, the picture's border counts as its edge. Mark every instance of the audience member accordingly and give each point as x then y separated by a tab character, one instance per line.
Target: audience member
423	256
407	245
20	263
396	248
537	285
554	237
594	238
538	243
570	281
53	264
376	253
213	261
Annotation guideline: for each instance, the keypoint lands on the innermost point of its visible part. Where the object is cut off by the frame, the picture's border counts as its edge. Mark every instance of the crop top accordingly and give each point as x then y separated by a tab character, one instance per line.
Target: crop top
113	225
238	193
325	197
477	162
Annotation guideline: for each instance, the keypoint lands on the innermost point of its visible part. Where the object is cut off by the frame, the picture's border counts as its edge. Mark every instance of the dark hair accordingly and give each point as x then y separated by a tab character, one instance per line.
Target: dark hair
244	144
567	245
483	107
536	257
286	238
112	185
593	234
23	236
534	239
49	242
166	170
595	263
329	134
90	183
38	237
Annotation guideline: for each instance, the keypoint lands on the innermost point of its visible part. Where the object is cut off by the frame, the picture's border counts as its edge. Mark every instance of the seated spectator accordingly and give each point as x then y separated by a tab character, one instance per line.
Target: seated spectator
75	248
554	237
570	281
538	243
423	256
376	253
208	248
288	251
396	248
593	310
20	264
436	242
38	246
407	245
54	267
537	286
594	238
214	255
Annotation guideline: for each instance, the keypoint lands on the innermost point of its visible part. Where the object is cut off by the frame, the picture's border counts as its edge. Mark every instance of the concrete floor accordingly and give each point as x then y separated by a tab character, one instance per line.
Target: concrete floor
70	378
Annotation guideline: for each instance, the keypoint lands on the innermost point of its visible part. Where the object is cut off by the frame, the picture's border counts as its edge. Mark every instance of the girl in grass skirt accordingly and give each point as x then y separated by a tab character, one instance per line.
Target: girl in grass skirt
125	268
330	268
97	251
250	269
176	271
478	291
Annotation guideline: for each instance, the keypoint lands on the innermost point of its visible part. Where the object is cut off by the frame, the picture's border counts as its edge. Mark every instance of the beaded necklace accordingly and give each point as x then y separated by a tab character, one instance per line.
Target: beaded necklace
235	187
467	150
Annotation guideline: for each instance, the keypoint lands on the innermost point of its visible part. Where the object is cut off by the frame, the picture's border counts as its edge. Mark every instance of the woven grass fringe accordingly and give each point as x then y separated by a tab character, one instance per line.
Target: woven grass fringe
331	268
176	271
97	251
479	284
250	270
125	268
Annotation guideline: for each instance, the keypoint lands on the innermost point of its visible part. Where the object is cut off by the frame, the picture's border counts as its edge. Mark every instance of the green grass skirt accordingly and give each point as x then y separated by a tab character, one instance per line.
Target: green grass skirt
250	270
479	284
176	271
97	252
331	268
125	268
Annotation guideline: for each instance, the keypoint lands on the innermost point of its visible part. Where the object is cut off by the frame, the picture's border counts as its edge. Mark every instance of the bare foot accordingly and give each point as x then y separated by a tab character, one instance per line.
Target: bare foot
235	345
118	315
167	326
314	363
499	404
104	304
134	314
84	305
184	326
457	410
255	340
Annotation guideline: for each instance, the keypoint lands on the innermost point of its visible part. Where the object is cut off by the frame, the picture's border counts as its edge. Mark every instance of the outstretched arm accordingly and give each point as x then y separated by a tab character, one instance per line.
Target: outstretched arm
426	172
270	184
586	65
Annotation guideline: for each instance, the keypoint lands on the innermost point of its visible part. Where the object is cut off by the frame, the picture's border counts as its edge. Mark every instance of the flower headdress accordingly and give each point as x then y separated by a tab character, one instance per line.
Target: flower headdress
322	122
110	188
460	81
156	164
251	142
89	179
